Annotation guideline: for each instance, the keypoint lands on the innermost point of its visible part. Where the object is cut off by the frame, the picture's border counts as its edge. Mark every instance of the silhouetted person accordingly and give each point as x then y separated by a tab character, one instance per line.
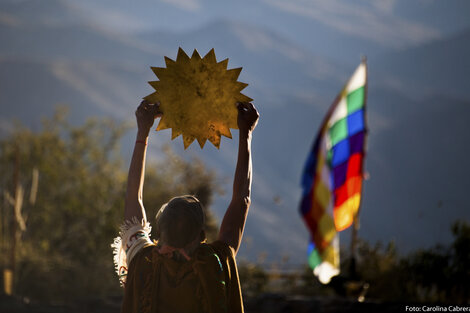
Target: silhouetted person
180	272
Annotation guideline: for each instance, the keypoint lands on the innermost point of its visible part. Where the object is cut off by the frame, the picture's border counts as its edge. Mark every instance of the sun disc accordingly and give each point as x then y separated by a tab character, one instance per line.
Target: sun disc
198	97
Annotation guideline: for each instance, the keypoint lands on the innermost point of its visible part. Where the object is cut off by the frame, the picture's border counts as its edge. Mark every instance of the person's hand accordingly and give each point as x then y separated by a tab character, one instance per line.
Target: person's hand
247	116
146	114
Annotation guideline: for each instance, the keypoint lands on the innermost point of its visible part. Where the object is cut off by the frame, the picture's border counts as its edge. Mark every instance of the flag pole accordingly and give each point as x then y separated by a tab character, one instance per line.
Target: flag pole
356	224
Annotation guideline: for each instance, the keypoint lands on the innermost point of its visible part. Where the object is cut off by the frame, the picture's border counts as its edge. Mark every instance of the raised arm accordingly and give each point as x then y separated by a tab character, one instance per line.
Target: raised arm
145	114
231	230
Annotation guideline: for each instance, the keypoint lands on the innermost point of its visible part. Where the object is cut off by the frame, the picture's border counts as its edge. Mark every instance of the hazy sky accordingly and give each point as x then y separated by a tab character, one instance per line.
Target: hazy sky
388	23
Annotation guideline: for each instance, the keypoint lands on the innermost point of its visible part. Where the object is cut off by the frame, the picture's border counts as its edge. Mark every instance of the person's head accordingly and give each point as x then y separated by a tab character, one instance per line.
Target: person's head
180	223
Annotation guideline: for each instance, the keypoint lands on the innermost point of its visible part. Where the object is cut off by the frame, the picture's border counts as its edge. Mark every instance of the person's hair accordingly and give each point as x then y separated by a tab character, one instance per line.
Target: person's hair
180	222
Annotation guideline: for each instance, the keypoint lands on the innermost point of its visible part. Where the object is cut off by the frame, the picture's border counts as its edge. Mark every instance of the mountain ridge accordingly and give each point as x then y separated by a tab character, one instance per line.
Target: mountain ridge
292	97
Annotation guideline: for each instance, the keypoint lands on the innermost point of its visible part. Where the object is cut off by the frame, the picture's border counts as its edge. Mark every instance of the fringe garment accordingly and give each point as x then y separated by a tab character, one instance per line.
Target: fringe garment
155	283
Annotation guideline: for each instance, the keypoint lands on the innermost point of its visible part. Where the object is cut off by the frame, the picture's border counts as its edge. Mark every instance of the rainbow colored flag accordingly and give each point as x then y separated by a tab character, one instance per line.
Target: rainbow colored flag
332	177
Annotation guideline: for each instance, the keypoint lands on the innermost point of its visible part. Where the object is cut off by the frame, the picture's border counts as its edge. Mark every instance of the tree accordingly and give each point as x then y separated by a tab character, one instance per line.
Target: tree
65	251
441	274
253	278
438	274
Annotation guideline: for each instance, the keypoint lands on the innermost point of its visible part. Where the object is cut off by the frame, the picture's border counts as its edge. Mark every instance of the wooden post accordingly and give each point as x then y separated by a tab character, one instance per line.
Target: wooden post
9	274
352	264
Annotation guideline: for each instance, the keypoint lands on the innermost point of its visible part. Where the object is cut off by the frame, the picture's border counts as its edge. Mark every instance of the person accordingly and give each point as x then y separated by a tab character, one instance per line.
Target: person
180	272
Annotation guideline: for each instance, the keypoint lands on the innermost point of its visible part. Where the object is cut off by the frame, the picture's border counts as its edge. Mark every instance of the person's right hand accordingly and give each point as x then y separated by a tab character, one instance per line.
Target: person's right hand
247	116
146	114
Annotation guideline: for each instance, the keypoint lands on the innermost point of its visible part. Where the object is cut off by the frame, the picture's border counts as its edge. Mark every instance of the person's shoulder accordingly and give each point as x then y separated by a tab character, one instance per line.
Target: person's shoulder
222	249
147	249
143	255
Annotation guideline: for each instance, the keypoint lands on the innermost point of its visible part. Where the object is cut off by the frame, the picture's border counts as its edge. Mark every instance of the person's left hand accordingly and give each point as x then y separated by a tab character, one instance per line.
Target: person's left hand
247	116
146	114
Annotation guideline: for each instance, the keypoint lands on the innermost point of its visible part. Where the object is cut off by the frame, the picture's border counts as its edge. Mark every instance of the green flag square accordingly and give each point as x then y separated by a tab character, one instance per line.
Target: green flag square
338	131
355	100
314	259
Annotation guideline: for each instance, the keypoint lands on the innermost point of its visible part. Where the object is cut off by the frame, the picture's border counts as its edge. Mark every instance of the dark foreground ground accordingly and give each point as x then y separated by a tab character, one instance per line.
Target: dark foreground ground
268	303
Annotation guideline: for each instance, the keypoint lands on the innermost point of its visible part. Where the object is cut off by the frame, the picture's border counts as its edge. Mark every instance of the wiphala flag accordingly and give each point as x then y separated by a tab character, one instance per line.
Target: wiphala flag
333	173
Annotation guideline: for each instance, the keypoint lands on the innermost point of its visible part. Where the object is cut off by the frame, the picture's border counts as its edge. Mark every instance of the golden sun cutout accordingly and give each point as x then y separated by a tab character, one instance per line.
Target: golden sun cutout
197	97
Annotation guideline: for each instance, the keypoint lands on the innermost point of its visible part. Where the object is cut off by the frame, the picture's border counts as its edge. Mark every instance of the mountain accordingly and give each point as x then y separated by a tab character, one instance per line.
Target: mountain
342	30
30	89
268	58
440	66
55	29
52	55
98	73
50	12
416	144
417	166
